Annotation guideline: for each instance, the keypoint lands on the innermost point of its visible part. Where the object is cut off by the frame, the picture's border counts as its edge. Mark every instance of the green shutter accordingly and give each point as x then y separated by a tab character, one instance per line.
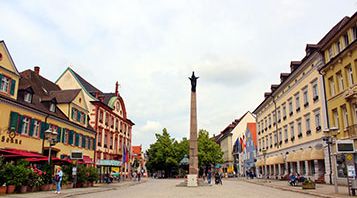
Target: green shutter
32	126
94	141
13	84
44	127
14	120
89	143
77	140
0	80
63	134
70	137
84	138
21	121
59	133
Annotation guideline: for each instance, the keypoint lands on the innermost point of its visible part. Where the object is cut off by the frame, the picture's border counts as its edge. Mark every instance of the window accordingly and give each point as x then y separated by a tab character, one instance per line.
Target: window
354	29
286	132
271	140
36	128
274	118
111	141
266	142
345	39
52	107
105	139
335	117
340	81
344	116
101	116
279	115
106	119
315	92
275	137
65	133
266	123
332	86
117	122
263	143
28	97
338	46
330	52
317	120
307	124
80	141
299	128
284	111
100	137
292	135
349	75
280	137
5	84
291	106
269	118
25	125
297	102
306	99
82	118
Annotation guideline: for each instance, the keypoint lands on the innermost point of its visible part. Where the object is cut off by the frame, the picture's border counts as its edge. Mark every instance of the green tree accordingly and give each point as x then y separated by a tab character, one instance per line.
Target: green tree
162	154
209	151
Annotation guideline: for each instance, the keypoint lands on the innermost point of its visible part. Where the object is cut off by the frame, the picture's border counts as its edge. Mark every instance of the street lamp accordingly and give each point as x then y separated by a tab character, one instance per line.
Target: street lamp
265	163
329	138
51	137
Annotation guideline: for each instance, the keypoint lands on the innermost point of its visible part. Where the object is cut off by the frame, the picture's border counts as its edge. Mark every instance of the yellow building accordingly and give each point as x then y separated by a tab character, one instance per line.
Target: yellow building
31	105
290	122
340	75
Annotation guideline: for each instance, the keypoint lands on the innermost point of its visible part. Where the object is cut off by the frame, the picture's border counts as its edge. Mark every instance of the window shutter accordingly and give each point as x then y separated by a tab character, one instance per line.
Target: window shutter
84	138
72	116
94	140
70	137
84	119
64	131
14	120
89	143
21	121
77	139
44	127
13	84
32	125
0	80
59	133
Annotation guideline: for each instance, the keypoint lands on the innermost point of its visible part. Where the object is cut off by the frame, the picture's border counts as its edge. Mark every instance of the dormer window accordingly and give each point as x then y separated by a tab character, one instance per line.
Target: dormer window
52	107
5	82
28	97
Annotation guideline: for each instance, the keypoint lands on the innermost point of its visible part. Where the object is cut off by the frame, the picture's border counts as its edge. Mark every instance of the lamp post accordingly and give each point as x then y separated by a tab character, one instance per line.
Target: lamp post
265	168
51	137
330	137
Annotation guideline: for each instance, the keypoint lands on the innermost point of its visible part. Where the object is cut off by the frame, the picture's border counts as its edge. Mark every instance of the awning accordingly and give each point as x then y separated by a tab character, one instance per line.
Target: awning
86	160
317	154
14	153
54	160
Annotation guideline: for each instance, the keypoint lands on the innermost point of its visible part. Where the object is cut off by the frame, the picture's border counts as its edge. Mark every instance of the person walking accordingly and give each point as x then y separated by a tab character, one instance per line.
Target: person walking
209	176
58	179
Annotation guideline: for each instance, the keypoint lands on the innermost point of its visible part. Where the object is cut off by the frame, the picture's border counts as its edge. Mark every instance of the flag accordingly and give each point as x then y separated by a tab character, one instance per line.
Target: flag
124	154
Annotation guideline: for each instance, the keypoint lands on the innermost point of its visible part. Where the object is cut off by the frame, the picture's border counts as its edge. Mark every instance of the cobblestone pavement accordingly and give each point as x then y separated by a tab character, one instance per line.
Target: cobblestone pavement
168	188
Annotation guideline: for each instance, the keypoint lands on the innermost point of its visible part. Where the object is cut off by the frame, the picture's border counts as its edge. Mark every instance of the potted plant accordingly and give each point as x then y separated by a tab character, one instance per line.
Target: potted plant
92	175
46	178
9	177
2	176
82	176
308	184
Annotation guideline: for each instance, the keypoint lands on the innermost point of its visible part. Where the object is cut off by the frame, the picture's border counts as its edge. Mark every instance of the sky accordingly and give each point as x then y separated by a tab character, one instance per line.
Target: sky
238	49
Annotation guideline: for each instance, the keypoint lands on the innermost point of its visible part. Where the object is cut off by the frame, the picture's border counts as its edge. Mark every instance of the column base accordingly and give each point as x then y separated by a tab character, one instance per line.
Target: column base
192	180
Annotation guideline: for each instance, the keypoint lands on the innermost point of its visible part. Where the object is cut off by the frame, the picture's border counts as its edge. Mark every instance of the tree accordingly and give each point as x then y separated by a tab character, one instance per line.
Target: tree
209	151
162	154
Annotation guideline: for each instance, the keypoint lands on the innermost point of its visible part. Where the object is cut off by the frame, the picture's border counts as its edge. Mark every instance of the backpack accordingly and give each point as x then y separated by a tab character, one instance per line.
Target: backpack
57	178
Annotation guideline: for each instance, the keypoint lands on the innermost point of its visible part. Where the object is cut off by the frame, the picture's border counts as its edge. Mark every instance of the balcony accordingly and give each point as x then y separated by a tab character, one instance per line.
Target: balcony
352	131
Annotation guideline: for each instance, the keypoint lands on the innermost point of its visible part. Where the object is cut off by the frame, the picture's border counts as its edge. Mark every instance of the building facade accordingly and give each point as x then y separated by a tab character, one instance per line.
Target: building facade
227	138
30	105
290	122
109	119
338	48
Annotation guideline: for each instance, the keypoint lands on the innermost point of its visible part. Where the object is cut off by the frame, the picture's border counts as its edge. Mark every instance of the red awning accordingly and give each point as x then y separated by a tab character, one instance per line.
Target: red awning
86	160
19	153
55	160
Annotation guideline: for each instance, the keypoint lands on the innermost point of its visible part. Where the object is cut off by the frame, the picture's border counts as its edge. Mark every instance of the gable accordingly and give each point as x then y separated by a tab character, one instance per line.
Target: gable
80	101
6	61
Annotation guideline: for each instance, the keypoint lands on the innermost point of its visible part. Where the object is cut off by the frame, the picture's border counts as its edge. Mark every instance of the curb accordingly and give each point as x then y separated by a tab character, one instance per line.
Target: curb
292	190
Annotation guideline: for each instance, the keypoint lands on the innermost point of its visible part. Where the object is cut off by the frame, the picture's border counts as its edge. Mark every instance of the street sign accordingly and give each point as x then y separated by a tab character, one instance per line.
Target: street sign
345	146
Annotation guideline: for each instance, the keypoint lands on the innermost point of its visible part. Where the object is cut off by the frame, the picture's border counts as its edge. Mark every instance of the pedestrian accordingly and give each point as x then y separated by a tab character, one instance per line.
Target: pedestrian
139	176
58	180
209	176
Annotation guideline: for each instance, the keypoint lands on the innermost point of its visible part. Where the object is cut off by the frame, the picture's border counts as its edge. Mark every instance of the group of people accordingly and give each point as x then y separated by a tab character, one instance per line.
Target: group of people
216	174
295	178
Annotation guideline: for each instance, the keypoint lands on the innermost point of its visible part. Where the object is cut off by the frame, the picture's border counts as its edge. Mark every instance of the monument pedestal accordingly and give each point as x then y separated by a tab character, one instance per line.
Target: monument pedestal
192	181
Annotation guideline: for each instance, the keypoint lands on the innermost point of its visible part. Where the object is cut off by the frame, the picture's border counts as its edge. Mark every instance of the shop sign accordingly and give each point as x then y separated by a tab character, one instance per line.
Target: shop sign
10	140
76	155
109	163
345	146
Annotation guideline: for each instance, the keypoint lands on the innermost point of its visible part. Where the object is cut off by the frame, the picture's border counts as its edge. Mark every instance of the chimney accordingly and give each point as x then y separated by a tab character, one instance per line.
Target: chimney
116	88
37	70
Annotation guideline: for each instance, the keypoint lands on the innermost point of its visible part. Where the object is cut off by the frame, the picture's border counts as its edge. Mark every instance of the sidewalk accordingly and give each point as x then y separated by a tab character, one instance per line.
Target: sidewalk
322	190
77	191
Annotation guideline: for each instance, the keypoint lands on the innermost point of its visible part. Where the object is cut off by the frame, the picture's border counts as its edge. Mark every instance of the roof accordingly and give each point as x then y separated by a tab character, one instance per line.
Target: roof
86	85
65	96
334	30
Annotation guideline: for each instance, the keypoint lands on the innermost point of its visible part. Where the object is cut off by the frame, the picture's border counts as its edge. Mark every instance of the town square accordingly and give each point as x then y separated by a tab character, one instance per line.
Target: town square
178	98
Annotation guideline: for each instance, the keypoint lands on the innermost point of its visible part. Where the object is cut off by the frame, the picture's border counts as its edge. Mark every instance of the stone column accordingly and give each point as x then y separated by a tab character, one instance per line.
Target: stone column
317	170
291	167
193	151
298	167
286	171
279	171
307	168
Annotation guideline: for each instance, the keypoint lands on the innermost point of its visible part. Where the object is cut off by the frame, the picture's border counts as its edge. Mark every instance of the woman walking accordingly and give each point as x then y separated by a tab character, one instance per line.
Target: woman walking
58	179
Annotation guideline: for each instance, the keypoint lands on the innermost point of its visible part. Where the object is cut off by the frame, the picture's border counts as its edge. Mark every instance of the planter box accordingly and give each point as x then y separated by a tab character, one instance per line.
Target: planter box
45	187
2	190
33	188
10	189
23	189
309	186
